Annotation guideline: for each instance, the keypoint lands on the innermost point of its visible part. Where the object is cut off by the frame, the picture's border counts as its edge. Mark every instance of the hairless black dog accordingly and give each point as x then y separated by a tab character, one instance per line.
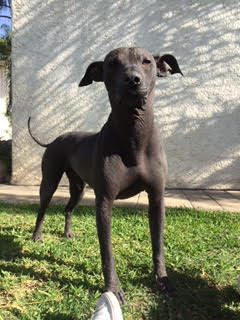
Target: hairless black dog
124	158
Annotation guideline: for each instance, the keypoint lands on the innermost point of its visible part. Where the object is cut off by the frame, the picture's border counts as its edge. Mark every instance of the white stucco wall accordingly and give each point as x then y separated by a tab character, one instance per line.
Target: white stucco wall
5	128
198	115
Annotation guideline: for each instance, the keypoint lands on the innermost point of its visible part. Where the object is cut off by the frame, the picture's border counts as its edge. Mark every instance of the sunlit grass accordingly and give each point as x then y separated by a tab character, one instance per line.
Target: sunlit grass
61	279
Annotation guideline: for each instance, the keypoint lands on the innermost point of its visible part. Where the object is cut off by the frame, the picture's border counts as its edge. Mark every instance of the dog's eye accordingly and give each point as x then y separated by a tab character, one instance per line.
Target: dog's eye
114	63
146	62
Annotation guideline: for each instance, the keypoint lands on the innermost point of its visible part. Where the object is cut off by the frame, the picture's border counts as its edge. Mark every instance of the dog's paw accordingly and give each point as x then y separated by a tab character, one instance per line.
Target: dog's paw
165	286
69	234
37	236
119	294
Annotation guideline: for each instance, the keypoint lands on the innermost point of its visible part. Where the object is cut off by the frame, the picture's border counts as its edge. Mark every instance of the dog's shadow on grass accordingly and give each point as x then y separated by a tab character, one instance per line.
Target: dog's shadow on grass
41	275
9	248
59	316
196	299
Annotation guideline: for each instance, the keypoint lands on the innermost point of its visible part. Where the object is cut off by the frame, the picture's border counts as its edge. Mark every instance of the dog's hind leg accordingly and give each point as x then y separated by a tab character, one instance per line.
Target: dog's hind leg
50	180
76	188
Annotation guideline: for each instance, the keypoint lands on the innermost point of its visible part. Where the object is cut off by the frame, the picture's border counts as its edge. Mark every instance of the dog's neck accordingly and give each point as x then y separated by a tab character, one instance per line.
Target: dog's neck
133	124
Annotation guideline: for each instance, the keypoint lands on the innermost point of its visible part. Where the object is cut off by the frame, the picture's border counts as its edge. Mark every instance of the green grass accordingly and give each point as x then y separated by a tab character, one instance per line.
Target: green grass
61	279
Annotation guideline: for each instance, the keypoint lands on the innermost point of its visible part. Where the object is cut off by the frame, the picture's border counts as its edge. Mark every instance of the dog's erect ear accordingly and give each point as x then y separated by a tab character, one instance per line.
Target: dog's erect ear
94	73
167	64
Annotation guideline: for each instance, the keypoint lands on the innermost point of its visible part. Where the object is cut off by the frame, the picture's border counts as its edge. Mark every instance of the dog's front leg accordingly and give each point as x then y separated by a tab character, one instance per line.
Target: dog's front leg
103	218
156	223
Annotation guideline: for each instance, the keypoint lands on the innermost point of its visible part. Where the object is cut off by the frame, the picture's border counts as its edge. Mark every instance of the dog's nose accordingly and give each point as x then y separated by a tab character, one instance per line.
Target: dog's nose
133	79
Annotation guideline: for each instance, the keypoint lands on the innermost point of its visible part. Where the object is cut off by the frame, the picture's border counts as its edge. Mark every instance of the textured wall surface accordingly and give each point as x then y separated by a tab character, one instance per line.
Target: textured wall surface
198	115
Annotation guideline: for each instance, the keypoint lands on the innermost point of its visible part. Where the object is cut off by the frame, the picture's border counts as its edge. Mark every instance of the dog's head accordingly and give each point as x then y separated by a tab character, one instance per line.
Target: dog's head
129	74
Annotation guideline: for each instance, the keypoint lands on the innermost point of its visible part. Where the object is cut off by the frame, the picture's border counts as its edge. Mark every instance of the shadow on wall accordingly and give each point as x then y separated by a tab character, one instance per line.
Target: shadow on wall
54	42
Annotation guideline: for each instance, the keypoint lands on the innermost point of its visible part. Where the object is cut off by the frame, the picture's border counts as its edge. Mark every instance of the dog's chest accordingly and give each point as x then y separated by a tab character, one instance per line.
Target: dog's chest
132	182
129	177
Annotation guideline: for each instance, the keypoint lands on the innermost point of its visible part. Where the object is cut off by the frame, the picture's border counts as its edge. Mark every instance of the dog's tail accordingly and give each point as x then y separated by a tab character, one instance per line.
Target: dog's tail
36	140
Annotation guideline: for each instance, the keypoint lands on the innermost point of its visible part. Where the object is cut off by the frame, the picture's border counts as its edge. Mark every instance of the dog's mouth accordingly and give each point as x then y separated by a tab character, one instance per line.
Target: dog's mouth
138	98
137	92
